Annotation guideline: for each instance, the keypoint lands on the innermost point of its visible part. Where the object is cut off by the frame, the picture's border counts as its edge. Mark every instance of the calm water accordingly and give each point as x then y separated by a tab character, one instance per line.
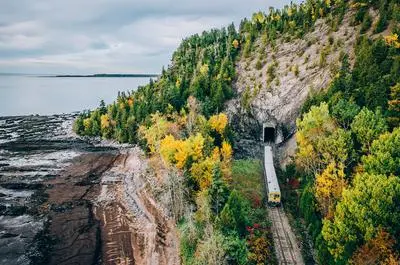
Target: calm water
23	95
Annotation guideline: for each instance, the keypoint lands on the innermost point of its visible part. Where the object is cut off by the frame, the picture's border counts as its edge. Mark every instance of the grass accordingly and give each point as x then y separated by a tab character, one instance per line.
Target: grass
247	178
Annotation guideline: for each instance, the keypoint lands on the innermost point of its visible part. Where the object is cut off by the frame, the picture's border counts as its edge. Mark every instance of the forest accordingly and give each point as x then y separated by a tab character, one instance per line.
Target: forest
348	137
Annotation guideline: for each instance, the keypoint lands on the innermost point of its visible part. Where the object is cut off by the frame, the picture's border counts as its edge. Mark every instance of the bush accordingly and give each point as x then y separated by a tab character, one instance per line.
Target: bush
366	24
296	70
381	25
258	65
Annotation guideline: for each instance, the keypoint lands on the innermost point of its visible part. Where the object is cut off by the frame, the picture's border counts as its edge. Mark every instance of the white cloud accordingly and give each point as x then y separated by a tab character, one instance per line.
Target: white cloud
77	36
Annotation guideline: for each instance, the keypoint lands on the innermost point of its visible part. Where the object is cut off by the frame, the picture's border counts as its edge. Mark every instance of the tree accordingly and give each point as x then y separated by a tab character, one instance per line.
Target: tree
102	107
376	251
320	142
367	126
202	172
78	126
87	123
219	122
328	188
234	216
384	156
345	111
235	249
218	191
210	250
153	134
394	105
372	203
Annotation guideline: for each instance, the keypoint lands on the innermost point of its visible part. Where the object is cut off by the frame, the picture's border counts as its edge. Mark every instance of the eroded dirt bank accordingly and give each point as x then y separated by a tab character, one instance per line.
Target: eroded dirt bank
134	229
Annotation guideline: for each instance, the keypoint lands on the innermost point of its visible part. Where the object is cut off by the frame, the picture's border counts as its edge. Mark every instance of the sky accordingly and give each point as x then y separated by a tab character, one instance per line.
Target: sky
107	36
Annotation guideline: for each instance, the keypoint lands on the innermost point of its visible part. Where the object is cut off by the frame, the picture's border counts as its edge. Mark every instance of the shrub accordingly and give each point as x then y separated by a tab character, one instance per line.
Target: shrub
258	65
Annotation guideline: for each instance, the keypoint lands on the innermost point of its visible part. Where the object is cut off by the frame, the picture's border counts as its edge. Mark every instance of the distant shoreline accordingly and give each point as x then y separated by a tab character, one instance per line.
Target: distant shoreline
107	75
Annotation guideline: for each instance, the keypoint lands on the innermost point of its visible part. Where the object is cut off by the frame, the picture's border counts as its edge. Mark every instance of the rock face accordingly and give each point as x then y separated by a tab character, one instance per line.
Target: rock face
289	72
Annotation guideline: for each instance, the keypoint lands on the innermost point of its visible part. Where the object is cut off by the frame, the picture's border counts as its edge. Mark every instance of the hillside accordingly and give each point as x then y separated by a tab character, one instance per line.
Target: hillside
327	73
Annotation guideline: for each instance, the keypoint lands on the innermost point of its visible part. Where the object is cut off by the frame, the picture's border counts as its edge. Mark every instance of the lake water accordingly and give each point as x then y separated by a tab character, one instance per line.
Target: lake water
23	95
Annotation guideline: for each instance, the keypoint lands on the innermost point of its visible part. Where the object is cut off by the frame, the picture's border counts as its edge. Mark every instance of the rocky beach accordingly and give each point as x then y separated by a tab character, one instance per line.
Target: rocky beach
67	200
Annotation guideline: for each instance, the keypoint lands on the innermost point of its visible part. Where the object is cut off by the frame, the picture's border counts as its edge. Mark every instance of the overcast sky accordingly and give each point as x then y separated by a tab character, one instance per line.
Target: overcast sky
99	36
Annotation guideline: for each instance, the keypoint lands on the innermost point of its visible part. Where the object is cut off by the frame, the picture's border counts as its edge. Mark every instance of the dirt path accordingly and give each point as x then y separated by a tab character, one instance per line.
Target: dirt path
134	230
286	246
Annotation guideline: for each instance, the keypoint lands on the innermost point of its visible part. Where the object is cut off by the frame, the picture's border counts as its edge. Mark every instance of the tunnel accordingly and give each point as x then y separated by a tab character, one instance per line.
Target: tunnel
268	133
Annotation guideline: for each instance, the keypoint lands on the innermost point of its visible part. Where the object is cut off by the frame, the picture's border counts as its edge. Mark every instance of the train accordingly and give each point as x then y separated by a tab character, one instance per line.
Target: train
272	185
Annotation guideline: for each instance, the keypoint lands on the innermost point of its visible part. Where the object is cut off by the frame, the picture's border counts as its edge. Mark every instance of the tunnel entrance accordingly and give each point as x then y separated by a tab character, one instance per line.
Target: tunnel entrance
268	133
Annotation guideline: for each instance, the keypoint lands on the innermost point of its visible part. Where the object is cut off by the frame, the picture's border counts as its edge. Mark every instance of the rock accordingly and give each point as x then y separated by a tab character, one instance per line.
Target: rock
281	102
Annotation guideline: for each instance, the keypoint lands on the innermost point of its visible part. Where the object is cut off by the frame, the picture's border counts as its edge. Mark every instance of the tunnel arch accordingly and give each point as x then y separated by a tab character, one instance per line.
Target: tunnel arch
269	133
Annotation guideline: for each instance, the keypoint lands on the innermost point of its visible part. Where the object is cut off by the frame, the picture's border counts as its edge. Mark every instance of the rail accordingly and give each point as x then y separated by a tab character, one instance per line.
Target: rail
286	247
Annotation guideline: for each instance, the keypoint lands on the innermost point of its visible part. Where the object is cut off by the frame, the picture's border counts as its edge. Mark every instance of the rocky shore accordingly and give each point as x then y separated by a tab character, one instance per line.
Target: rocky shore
65	200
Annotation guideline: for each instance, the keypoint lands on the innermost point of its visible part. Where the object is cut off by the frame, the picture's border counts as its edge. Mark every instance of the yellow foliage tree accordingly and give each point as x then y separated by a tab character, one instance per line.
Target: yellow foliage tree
226	151
235	43
197	144
182	153
328	188
130	102
179	151
216	155
202	172
219	122
87	123
204	69
320	141
104	121
393	40
157	131
168	148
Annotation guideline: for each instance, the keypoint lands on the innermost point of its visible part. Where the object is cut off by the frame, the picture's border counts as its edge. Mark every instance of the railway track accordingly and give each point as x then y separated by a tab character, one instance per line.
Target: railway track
286	247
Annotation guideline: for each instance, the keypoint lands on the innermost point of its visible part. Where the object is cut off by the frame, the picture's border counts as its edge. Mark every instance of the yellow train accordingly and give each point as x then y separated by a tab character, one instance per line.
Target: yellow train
272	185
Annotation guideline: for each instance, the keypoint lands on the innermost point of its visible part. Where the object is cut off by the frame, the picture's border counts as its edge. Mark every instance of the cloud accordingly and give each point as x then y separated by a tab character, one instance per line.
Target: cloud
54	36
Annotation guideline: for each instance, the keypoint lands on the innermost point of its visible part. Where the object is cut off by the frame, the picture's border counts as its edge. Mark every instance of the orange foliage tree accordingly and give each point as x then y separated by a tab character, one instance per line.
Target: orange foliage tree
377	251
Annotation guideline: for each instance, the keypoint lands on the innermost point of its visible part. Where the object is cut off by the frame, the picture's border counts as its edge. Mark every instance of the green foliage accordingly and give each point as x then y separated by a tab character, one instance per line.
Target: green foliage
371	203
258	65
366	23
367	126
205	72
370	199
189	238
203	67
296	70
320	142
344	111
234	216
236	250
384	156
271	71
218	192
